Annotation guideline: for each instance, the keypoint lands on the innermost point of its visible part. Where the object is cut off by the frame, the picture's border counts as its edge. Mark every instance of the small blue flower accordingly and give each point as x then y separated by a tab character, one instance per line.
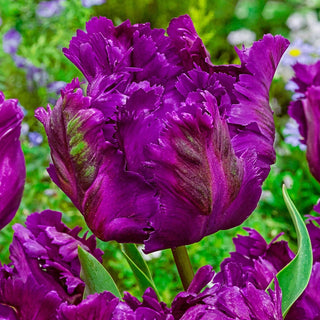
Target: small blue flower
11	41
292	135
90	3
35	138
47	9
56	86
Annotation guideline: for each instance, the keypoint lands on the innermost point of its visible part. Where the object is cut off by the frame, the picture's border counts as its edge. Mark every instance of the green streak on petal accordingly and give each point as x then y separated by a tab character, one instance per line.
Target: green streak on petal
89	171
76	139
78	148
73	125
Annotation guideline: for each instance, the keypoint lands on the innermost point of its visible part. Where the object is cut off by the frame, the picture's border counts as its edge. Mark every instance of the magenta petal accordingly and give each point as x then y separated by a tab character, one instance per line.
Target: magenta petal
12	165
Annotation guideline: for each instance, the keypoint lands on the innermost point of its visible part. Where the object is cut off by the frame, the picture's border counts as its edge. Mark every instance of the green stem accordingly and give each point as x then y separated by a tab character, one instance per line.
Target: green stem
181	258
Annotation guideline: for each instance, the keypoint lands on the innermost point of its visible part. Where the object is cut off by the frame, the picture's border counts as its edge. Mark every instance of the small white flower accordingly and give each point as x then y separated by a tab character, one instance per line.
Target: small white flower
241	36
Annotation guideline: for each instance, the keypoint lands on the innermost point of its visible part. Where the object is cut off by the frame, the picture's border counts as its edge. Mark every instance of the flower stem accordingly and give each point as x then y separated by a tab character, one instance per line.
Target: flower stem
183	264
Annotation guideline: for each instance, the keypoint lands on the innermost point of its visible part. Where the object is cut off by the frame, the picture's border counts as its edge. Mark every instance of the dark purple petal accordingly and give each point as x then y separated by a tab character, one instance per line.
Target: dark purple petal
252	91
7	312
311	107
28	299
47	249
106	306
306	111
12	165
228	302
186	40
94	307
198	175
101	189
254	260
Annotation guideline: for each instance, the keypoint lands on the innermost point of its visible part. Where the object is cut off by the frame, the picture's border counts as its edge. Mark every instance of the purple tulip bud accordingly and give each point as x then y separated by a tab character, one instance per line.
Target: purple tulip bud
165	148
12	165
306	111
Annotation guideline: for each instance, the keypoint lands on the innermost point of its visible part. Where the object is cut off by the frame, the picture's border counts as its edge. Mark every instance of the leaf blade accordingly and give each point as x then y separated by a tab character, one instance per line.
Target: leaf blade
301	265
97	279
139	267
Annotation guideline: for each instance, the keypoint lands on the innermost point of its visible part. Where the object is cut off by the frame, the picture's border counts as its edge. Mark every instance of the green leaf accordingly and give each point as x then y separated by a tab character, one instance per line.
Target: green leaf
138	266
96	277
294	277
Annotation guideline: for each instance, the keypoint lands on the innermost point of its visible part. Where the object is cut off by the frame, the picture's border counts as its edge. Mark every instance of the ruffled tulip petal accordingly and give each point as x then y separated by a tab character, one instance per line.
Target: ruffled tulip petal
252	91
12	165
222	301
190	47
47	249
28	299
95	307
92	172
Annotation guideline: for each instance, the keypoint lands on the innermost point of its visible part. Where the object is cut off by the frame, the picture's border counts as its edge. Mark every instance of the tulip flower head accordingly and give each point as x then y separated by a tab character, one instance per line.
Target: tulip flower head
165	147
12	165
45	268
306	111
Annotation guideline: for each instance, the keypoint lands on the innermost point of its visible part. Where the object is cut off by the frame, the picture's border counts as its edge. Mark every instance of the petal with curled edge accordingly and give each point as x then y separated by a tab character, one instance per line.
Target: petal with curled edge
12	164
117	204
252	114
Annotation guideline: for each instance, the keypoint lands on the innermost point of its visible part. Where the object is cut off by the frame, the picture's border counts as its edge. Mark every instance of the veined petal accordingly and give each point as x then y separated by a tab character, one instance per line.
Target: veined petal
116	203
197	173
12	165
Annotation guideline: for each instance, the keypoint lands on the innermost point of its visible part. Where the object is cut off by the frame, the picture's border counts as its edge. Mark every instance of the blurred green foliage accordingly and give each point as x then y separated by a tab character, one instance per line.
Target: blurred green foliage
42	41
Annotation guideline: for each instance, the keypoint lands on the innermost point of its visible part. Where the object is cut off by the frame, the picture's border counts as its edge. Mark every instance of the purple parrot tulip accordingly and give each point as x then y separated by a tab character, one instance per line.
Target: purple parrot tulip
165	147
12	164
45	269
306	111
223	302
